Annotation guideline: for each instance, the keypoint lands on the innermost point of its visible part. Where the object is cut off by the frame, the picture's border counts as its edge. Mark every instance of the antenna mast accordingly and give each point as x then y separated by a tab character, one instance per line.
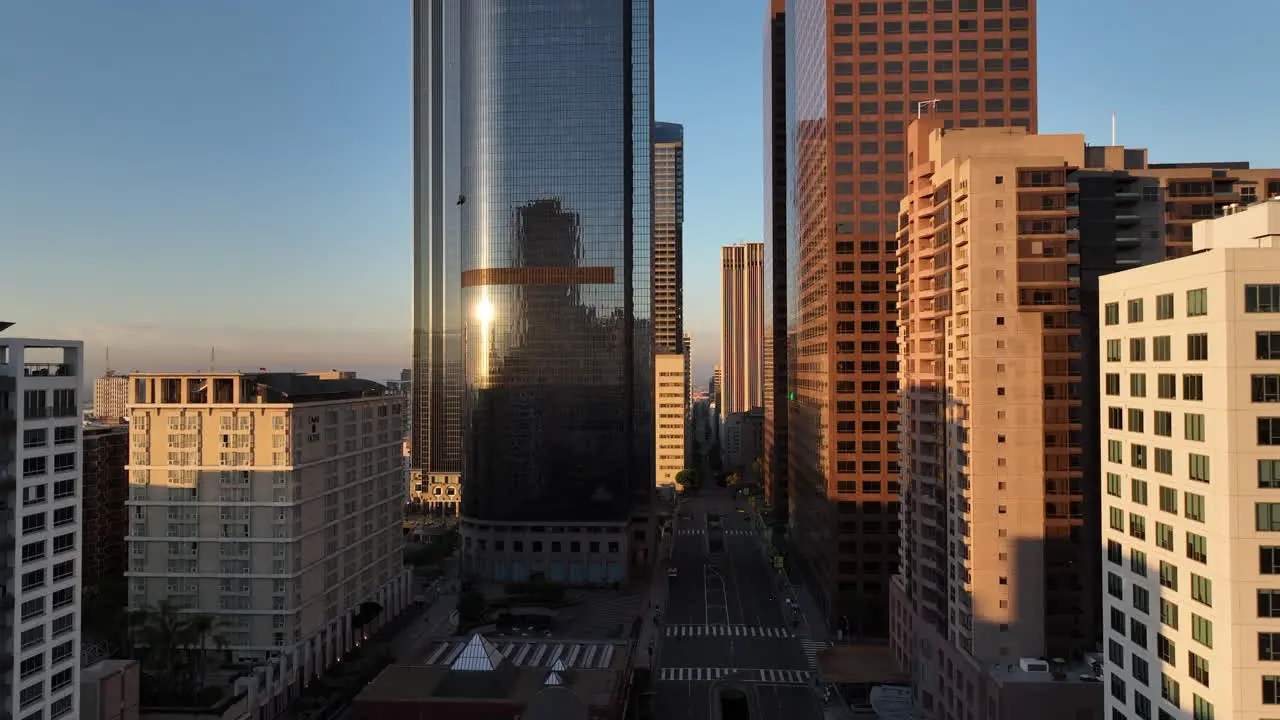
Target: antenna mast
108	361
1113	129
212	358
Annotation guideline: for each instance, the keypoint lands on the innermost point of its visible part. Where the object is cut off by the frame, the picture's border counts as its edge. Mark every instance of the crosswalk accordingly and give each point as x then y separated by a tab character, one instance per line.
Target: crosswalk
701	531
727	631
766	676
811	650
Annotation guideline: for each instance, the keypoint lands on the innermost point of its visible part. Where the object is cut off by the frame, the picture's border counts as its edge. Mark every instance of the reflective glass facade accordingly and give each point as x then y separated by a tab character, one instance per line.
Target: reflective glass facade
437	317
556	122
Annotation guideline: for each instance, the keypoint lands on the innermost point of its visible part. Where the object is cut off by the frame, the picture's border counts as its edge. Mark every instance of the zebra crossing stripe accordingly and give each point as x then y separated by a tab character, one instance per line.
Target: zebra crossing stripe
767	676
727	631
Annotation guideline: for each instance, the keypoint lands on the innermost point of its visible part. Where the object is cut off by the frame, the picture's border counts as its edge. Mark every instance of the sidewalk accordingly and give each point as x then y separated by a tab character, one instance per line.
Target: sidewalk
647	642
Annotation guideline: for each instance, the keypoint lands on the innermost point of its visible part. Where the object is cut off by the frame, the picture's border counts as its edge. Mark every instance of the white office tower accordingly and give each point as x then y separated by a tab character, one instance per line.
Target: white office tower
40	383
1190	422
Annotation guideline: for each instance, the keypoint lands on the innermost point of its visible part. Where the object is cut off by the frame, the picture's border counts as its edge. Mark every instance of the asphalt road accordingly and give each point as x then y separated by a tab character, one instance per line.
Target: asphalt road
722	617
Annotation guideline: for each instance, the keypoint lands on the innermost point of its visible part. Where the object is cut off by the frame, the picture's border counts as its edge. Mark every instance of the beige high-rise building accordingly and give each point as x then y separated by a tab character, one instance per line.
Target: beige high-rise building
670	418
668	237
271	501
991	579
1191	483
110	398
741	327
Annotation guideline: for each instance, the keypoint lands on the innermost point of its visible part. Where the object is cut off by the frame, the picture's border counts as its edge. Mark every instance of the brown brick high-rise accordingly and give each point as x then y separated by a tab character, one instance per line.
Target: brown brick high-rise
106	518
861	71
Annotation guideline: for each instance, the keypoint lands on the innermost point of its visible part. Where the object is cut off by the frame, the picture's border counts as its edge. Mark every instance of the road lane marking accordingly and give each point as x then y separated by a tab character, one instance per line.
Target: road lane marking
762	676
811	650
727	631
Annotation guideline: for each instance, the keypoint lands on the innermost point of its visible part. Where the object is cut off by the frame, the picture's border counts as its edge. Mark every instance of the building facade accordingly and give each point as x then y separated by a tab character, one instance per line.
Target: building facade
774	455
1190	499
110	396
556	287
105	517
670	418
857	73
40	466
271	501
741	328
437	373
668	237
1004	237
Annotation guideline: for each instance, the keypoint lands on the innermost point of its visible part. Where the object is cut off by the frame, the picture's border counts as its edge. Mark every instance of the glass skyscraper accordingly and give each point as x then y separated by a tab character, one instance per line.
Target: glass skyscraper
555	283
436	406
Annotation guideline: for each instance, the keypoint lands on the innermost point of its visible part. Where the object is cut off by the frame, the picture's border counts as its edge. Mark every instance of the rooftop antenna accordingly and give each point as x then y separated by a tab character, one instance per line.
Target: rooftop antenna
108	361
1113	129
920	106
212	358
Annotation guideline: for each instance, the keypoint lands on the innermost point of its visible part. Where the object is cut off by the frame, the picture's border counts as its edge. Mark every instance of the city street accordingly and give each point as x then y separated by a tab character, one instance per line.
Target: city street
723	619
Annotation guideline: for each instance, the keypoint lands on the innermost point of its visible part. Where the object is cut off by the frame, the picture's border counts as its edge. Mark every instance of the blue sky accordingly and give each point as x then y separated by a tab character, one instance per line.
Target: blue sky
178	175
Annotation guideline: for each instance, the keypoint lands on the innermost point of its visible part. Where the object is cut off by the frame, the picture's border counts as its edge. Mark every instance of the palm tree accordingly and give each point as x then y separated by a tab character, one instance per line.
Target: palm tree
201	636
161	631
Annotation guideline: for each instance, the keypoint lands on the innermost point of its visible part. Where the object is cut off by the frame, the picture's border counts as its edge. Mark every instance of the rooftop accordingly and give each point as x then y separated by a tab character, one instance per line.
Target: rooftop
1041	670
477	669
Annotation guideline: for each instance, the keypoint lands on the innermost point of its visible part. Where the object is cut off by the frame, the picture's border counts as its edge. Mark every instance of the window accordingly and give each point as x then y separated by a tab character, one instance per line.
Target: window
1261	298
1169	499
1168	613
1193	506
1113	483
1201	709
1198	346
1138	489
1168	575
1199	668
1113	381
1197	302
1192	387
1193	426
1137	385
1164	536
1135	420
1269	560
1271	689
1160	348
1166	650
1268	517
1135	310
1268	603
1115	451
1164	461
1198	467
1137	349
1202	630
1164	420
1265	388
1269	646
1164	306
1269	474
1113	351
1268	345
1202	590
1167	386
1197	548
1269	431
1138	455
1111	312
1169	689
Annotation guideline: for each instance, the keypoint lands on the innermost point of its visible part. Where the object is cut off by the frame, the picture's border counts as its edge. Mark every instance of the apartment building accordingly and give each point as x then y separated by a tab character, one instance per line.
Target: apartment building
669	411
271	501
1004	238
110	397
40	464
858	73
741	328
105	516
1191	489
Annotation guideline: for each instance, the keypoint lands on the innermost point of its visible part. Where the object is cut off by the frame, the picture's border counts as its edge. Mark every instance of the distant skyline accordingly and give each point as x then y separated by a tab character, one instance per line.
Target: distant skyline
176	176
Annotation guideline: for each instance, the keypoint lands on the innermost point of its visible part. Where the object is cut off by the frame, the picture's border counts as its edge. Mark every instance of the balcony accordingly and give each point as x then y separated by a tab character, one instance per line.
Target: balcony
48	370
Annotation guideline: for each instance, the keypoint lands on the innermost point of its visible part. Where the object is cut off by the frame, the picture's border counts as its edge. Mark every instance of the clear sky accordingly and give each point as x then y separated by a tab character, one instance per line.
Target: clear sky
178	175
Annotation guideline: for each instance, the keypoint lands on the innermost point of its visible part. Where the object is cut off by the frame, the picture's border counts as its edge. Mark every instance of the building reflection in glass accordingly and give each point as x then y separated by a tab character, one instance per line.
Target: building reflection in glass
555	258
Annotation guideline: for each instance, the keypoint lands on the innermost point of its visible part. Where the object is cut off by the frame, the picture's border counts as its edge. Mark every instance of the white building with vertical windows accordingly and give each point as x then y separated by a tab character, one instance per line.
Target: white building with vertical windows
271	501
40	384
1191	477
